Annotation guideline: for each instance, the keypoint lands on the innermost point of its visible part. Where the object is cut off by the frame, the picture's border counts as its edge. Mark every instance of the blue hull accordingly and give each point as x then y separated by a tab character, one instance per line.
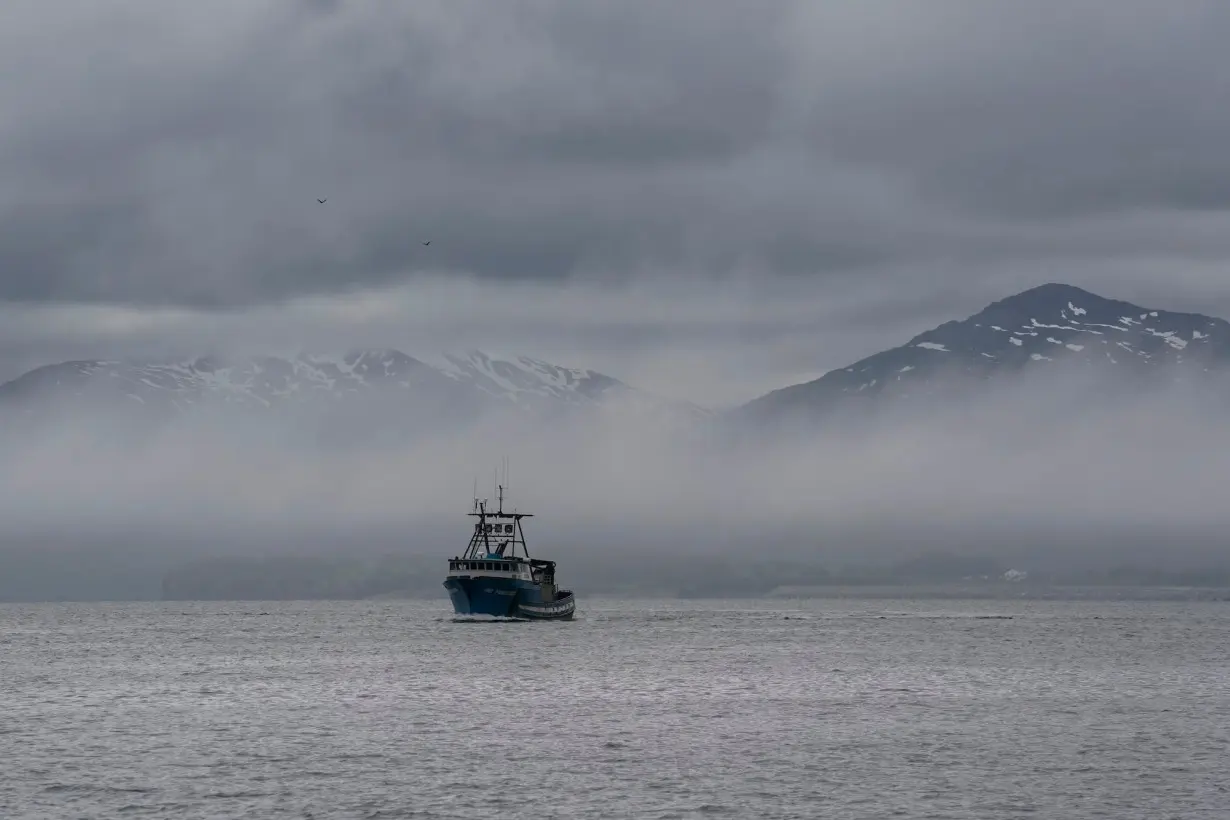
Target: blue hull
505	598
485	596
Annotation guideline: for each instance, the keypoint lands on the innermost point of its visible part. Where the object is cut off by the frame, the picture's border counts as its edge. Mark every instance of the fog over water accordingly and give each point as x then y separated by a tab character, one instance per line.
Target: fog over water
1039	472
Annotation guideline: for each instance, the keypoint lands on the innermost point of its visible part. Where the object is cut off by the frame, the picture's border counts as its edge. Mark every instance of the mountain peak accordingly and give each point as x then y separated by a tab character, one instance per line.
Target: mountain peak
1057	297
1027	331
1052	290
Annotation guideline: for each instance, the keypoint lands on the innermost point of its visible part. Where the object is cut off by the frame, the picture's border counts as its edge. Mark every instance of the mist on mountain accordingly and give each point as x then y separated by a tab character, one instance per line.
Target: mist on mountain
119	477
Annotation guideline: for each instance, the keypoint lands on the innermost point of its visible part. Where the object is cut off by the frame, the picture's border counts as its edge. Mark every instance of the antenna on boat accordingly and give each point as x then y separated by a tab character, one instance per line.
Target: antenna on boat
506	482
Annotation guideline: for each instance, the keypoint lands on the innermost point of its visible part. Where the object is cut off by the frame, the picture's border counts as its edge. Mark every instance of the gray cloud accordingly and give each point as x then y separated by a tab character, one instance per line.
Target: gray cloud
172	155
736	197
1038	111
525	141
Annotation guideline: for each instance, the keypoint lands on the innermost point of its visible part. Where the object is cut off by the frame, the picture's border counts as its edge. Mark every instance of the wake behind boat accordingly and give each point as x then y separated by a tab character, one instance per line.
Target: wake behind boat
496	575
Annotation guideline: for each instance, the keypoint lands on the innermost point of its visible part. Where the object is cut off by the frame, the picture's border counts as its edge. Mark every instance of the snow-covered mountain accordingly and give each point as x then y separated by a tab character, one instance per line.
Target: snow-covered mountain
522	380
1049	328
452	383
1052	326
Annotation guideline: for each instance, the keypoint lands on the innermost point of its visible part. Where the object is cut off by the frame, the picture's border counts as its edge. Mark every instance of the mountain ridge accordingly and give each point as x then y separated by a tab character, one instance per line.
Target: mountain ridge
1024	332
468	379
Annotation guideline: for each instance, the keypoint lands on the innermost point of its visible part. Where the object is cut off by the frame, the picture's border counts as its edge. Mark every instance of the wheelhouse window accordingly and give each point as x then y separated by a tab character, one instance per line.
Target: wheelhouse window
486	566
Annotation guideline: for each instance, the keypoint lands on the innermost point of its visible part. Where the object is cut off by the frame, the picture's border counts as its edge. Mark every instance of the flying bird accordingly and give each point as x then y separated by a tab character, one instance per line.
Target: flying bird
428	242
321	201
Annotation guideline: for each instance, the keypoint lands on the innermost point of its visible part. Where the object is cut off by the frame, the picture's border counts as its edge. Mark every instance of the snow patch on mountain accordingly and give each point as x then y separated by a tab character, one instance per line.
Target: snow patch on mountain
1038	328
519	378
470	379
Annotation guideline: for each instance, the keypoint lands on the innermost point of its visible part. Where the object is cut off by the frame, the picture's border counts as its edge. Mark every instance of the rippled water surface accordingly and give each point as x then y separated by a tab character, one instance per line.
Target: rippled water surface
828	709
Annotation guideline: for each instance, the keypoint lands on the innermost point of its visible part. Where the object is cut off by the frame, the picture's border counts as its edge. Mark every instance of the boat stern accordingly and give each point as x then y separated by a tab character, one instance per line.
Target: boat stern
560	608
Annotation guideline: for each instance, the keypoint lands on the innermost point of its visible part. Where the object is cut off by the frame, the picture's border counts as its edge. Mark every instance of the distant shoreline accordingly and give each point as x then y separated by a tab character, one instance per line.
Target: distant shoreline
1006	592
883	592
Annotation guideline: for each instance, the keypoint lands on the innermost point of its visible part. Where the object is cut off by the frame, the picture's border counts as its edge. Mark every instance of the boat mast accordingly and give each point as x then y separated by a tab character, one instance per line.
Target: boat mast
481	539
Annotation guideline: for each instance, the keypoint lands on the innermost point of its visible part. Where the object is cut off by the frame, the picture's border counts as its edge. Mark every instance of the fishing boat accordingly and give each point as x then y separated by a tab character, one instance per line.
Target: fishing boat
496	576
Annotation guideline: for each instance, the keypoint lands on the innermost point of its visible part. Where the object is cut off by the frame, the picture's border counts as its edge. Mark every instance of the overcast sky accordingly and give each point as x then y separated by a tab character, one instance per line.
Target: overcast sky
707	198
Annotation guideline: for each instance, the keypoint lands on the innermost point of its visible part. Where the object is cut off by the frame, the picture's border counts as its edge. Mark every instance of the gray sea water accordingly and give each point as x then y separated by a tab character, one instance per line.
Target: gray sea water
646	709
